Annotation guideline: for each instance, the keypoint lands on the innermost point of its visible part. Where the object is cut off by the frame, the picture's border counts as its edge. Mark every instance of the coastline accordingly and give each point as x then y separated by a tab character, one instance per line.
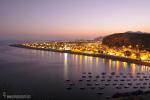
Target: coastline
128	60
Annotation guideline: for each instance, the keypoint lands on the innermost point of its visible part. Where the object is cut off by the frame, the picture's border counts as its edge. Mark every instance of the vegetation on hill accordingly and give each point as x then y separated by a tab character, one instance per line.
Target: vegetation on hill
135	39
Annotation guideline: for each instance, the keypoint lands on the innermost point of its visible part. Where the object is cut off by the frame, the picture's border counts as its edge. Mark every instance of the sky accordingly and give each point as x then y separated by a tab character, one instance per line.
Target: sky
71	19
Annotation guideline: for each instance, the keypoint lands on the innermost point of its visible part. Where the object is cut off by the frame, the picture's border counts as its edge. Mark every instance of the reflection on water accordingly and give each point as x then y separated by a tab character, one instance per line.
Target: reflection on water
65	65
133	69
96	64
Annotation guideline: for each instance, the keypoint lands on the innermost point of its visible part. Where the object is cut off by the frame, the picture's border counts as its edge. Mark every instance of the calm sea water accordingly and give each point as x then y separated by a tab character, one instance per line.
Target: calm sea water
43	74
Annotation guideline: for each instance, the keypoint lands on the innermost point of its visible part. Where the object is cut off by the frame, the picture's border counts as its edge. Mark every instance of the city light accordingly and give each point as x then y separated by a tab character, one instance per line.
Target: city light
92	47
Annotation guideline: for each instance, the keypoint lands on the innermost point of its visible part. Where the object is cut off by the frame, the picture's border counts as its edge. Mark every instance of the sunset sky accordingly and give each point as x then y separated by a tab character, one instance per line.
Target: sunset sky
71	19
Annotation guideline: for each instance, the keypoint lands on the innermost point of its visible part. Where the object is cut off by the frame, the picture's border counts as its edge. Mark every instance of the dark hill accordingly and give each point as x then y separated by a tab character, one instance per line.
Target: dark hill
128	38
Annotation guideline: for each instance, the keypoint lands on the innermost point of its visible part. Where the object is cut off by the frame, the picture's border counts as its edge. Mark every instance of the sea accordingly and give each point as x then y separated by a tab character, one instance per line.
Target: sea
46	75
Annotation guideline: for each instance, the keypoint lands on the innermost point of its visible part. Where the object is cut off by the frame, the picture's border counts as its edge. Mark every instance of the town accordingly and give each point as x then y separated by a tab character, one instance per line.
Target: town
92	47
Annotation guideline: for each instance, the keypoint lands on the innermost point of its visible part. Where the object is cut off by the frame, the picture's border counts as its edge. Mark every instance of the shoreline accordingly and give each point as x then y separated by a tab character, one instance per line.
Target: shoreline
128	60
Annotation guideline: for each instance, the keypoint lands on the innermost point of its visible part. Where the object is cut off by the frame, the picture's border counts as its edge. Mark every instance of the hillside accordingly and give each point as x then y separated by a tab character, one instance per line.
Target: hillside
135	39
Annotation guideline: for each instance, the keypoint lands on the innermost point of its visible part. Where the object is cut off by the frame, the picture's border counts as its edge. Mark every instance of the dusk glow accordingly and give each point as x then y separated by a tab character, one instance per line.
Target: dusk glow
71	19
